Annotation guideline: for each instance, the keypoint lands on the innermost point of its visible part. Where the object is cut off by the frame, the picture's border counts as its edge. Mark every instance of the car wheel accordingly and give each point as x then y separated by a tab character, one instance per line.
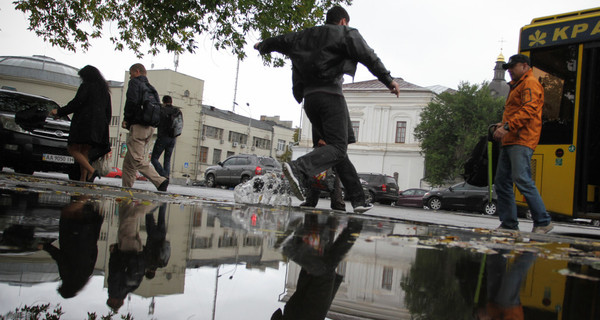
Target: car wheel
368	197
435	203
490	208
244	179
210	181
528	215
596	223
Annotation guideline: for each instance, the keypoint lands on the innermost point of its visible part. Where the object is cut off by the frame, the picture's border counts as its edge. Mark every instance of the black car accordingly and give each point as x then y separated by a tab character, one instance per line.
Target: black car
37	145
461	196
239	169
383	188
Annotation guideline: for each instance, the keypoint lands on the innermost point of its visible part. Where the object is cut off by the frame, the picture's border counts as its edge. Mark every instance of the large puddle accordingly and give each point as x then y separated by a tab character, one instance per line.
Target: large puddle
83	256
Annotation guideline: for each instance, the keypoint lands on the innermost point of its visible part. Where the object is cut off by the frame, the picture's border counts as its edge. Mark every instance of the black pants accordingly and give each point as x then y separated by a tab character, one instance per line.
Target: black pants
328	114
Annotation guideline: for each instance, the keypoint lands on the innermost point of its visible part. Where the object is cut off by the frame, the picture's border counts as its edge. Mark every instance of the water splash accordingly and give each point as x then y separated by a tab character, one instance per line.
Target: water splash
268	189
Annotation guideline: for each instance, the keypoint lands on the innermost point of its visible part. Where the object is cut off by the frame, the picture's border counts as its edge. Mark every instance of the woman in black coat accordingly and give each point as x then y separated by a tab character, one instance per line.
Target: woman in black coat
92	111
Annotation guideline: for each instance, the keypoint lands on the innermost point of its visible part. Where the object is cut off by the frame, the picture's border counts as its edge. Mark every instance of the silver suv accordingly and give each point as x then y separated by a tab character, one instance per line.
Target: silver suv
239	169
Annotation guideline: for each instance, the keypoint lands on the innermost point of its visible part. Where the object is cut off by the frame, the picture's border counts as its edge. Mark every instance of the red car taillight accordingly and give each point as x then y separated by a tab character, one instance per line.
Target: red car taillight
258	171
383	188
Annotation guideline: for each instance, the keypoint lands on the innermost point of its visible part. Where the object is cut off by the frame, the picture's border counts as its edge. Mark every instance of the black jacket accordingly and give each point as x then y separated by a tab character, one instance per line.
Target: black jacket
164	127
92	111
134	98
322	55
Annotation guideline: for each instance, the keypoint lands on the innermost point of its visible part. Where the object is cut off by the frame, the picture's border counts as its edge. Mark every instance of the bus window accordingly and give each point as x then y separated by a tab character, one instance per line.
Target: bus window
556	69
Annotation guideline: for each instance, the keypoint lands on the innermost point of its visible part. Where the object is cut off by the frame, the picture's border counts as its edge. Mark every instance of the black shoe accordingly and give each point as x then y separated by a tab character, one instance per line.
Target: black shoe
361	207
93	177
294	180
163	186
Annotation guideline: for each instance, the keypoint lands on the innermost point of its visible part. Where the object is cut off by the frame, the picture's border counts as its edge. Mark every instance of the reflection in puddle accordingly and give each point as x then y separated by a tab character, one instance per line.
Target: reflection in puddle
223	261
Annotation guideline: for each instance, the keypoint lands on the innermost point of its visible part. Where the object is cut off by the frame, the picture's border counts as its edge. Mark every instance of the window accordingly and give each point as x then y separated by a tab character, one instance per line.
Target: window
387	278
114	142
238	137
400	131
114	121
355	128
230	153
212	132
216	156
261	143
203	154
280	145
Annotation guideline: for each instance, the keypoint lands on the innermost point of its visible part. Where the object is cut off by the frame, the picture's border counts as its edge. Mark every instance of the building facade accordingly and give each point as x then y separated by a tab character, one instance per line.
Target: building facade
384	127
209	135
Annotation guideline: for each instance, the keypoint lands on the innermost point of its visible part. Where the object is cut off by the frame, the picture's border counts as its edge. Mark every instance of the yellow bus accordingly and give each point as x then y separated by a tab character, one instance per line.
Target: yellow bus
565	55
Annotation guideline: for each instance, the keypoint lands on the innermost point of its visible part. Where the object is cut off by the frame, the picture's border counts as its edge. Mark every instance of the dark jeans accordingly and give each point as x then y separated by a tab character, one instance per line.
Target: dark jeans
166	144
328	114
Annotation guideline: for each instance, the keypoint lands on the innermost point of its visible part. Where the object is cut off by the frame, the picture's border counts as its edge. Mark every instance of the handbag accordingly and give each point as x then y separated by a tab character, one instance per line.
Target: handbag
101	165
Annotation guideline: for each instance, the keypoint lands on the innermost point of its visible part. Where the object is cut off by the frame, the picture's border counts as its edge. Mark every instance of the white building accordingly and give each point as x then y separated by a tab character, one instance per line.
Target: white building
384	127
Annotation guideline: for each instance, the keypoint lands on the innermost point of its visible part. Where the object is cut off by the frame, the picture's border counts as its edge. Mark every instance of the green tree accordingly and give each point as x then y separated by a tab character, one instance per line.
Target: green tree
170	24
450	127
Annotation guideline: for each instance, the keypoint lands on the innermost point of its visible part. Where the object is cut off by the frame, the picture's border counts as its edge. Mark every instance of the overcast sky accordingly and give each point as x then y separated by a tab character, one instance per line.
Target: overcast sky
426	42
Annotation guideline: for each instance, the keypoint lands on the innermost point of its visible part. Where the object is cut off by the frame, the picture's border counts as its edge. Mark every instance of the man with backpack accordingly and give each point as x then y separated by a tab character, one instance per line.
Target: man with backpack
141	116
171	123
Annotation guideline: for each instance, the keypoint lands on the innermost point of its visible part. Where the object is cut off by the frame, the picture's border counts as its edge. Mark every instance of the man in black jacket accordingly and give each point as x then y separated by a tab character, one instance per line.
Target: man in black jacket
164	141
320	57
140	134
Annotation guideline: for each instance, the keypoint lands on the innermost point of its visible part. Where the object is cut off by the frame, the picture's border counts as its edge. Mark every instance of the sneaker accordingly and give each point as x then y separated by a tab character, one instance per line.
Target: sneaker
288	171
163	186
362	208
543	229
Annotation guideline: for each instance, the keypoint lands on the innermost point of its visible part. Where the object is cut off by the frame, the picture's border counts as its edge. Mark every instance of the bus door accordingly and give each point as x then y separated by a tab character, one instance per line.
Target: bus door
587	189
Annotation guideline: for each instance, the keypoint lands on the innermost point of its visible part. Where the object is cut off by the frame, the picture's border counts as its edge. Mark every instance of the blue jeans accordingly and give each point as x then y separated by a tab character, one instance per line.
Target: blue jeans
166	144
514	165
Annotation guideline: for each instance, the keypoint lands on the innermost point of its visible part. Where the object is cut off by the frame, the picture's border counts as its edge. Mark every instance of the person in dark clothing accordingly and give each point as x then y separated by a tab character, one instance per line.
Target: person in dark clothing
126	265
314	249
164	141
92	112
79	230
320	57
157	250
140	134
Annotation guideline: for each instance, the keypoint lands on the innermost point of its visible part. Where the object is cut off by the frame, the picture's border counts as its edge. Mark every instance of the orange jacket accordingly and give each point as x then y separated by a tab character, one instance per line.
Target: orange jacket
523	111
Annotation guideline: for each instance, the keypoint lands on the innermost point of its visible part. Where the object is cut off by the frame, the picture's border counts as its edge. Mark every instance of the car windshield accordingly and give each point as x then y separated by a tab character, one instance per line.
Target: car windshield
370	178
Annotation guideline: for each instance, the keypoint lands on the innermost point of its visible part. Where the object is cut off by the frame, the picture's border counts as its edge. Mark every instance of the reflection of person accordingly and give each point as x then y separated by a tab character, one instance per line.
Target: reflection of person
503	285
164	141
320	57
79	229
519	132
157	250
92	111
314	249
139	134
126	265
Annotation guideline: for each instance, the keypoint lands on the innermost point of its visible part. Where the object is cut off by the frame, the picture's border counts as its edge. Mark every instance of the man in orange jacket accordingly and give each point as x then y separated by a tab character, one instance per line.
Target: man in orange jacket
519	132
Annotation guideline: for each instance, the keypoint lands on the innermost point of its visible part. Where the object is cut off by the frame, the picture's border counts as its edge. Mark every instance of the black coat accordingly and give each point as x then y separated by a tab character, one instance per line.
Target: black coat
92	112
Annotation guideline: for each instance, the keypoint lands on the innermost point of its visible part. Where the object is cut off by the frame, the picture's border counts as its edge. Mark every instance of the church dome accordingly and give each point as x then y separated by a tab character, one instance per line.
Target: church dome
500	57
39	68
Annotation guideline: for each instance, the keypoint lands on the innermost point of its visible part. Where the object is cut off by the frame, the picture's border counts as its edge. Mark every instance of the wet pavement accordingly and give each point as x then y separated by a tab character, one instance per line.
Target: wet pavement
89	249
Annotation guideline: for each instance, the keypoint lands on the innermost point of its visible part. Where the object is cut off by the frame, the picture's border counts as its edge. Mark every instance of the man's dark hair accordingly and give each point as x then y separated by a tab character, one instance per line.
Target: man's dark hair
335	14
167	99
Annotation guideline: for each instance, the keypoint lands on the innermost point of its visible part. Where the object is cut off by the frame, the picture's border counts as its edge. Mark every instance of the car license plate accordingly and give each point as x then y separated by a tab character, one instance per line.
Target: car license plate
57	158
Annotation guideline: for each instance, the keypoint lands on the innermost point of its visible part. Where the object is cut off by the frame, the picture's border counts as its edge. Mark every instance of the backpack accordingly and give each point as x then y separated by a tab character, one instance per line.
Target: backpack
176	125
150	108
476	167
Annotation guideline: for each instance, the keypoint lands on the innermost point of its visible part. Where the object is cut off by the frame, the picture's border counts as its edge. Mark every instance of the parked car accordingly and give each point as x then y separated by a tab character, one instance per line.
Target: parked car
383	188
239	169
461	196
28	147
411	197
118	173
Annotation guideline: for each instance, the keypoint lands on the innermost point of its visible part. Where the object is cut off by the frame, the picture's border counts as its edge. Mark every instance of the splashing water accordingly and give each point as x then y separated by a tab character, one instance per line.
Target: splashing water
268	189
